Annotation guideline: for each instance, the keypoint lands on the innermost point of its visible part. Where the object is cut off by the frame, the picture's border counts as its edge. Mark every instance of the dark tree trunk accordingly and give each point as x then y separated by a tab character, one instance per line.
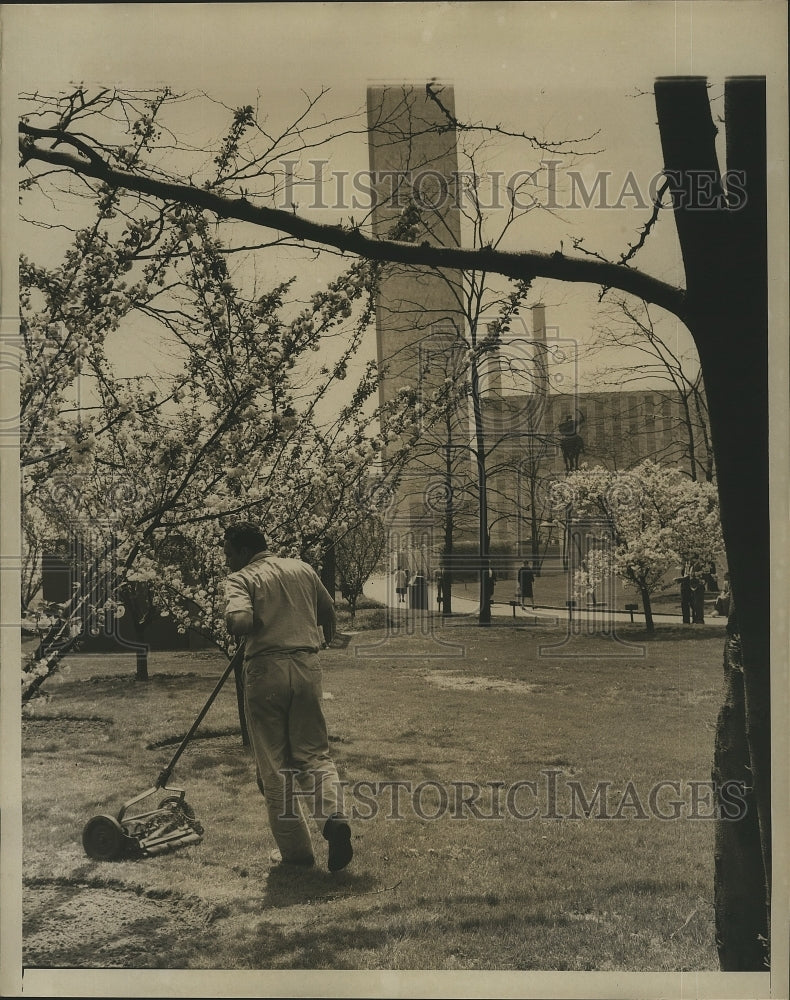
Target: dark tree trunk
449	525
689	426
704	418
328	573
725	257
142	664
141	606
141	652
648	609
738	863
534	527
482	487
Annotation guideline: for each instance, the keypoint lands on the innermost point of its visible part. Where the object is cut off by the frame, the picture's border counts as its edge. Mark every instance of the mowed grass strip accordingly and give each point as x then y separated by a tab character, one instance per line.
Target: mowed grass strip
466	779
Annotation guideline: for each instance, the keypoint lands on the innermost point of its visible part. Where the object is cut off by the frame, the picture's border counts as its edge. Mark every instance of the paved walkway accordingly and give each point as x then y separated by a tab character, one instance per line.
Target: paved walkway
382	589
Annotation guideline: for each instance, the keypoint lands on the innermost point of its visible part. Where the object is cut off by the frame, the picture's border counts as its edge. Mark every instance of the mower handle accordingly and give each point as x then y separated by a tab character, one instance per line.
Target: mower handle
164	775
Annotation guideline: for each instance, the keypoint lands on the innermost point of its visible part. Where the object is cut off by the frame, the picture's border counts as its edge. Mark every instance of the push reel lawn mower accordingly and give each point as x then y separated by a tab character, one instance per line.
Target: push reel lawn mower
151	829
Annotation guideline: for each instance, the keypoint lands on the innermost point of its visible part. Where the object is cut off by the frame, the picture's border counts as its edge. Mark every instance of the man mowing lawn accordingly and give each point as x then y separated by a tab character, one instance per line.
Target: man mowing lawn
281	607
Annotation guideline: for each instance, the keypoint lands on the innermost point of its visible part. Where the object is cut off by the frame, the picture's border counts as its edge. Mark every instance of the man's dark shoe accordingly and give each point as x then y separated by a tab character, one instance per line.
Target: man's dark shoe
338	833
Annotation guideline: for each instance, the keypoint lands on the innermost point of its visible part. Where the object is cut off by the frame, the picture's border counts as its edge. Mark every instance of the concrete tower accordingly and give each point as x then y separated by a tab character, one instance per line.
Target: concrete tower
414	164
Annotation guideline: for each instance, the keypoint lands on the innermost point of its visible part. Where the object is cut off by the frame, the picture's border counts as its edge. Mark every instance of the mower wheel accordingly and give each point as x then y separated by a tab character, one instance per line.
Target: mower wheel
174	800
103	838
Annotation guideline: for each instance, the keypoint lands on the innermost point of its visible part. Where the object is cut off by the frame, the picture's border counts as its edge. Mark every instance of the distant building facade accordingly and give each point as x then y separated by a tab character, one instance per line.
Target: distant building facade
618	429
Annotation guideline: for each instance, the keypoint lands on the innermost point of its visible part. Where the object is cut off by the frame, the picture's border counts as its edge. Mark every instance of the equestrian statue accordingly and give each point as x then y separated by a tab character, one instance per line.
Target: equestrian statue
571	441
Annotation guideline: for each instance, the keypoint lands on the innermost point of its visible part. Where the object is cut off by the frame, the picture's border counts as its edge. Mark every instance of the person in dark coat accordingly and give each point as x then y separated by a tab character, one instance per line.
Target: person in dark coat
526	580
697	588
438	579
490	582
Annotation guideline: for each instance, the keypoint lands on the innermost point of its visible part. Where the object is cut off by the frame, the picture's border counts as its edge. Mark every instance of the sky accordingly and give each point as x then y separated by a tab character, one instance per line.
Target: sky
552	69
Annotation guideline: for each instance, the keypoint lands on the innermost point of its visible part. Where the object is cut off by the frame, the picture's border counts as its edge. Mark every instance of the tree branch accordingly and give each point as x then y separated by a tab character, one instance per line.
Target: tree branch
517	265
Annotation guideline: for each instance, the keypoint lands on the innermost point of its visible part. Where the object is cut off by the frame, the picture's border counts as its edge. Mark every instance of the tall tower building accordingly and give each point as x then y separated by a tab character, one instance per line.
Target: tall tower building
419	316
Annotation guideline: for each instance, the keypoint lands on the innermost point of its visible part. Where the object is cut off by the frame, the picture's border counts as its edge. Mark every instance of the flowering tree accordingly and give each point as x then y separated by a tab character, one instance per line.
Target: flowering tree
595	567
357	554
151	468
659	518
184	481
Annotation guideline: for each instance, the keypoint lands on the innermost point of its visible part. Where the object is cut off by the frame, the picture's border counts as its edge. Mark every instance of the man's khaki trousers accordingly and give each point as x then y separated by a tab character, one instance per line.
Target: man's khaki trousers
282	698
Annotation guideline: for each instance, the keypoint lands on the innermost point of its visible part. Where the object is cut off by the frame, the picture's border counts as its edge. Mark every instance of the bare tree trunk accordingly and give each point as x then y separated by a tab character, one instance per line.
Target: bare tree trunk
704	420
141	664
648	609
534	528
141	652
482	488
724	251
449	525
141	606
690	435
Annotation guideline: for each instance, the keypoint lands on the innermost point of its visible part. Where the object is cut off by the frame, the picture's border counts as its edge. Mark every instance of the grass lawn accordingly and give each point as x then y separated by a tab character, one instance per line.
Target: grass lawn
436	882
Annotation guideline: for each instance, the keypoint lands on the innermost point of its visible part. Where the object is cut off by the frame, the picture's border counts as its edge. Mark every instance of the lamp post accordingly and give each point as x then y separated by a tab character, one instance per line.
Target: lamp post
496	520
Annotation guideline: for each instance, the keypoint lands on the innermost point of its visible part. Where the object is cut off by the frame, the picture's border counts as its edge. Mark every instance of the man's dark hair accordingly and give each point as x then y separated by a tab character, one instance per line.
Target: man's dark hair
246	535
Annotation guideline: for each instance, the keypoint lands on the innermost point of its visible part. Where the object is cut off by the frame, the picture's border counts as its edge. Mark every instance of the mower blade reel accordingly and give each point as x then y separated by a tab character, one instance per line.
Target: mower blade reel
177	827
170	843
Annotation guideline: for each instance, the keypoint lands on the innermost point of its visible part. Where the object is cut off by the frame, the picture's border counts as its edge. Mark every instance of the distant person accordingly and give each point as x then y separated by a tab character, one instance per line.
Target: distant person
438	579
401	584
697	590
489	582
526	581
286	614
685	597
723	601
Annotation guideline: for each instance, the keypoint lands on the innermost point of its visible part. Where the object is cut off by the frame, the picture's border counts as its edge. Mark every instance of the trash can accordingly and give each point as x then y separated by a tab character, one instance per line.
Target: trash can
418	593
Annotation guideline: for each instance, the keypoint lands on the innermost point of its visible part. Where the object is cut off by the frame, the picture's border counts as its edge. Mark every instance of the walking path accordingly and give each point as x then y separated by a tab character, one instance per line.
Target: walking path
382	589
